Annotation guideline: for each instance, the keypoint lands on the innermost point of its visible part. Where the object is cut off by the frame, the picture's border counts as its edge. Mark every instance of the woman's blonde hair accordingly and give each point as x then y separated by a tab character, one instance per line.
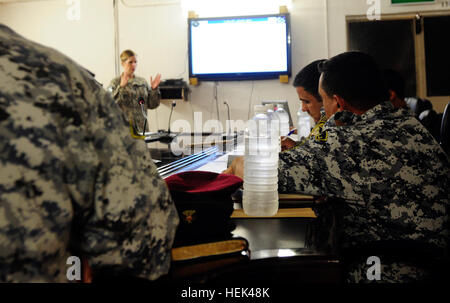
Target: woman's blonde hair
126	54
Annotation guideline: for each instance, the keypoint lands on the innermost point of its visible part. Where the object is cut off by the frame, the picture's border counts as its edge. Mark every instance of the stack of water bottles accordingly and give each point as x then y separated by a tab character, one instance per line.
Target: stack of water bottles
260	196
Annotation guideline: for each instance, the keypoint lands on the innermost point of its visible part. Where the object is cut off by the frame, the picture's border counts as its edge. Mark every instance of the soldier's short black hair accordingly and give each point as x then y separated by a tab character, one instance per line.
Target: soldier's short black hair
355	77
393	80
308	78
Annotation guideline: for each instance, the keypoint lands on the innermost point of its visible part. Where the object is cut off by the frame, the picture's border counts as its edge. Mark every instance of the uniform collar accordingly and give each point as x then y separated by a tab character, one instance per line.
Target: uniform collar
348	118
323	117
322	112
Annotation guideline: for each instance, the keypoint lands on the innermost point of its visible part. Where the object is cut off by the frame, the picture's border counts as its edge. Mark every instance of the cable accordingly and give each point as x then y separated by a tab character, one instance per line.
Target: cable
145	124
190	104
229	118
211	107
174	103
215	99
250	101
116	38
185	64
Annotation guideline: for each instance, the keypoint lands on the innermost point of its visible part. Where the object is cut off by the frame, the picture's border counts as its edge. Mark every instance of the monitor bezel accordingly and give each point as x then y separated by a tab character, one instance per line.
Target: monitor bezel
239	75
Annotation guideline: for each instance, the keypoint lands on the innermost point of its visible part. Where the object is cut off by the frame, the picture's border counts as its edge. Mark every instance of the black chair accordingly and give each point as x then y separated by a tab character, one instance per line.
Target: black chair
326	235
418	105
423	111
445	129
432	122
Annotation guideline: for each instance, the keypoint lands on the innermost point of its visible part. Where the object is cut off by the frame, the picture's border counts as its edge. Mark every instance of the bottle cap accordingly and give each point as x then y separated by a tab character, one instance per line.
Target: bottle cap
260	109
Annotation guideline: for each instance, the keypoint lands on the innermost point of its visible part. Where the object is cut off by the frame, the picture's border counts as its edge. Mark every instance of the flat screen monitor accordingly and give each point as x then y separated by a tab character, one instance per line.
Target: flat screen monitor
239	48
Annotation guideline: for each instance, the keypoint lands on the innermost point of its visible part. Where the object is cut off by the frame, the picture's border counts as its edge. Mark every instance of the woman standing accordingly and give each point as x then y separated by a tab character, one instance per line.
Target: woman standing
130	91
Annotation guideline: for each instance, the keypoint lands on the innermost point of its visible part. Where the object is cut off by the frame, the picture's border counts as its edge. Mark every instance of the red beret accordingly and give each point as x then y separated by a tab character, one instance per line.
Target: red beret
204	205
197	182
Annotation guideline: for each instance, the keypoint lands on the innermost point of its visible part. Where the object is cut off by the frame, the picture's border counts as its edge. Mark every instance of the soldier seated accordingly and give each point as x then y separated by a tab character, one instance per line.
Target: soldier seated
384	175
306	84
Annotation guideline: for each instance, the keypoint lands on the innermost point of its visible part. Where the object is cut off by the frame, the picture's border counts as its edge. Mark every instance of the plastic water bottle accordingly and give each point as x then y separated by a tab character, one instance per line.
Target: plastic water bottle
274	123
260	196
284	120
303	124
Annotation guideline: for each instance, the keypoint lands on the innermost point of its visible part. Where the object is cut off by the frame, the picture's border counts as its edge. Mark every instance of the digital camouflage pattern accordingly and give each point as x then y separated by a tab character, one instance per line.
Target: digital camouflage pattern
391	173
128	99
72	180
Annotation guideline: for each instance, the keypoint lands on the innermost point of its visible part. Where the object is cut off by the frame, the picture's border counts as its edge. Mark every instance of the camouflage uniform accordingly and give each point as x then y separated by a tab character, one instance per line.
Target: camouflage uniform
72	181
128	99
391	174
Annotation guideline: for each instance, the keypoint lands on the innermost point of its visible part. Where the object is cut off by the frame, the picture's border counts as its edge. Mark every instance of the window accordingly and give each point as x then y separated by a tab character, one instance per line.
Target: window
414	45
437	59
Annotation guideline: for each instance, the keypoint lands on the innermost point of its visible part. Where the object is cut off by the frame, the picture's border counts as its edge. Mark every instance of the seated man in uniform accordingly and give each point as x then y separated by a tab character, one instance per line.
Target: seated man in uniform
387	180
306	83
395	85
73	182
422	109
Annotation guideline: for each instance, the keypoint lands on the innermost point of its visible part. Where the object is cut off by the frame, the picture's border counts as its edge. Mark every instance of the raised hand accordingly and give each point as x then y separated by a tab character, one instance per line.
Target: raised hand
155	83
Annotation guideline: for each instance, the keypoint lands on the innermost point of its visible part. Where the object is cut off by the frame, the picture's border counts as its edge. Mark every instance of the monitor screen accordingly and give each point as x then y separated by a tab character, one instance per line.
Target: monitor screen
239	48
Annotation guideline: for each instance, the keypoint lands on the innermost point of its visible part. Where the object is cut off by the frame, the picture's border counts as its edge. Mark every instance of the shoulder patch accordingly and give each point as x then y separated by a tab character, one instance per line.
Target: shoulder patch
322	136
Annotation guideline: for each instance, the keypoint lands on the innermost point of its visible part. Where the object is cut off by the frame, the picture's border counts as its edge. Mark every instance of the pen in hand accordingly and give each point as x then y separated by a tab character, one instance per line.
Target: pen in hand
290	133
